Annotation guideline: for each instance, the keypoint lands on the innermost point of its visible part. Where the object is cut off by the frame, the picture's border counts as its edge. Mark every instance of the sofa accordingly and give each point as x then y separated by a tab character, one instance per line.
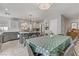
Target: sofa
9	36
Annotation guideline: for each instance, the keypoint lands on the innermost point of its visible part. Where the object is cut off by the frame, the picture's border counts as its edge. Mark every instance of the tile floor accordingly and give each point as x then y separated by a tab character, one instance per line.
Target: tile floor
13	48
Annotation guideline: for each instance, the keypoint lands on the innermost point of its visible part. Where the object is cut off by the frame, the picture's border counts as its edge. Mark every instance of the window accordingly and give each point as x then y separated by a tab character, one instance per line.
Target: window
3	28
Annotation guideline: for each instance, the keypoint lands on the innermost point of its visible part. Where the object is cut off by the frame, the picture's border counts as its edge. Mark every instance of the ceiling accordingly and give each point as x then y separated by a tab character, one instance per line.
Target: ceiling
23	10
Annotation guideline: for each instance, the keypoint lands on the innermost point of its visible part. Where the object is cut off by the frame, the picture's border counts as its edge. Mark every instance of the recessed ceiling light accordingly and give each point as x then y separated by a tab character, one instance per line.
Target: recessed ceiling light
6	9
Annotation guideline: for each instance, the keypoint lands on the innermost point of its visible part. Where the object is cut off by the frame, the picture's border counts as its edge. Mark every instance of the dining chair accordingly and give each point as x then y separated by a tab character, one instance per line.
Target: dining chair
33	50
70	51
75	40
29	50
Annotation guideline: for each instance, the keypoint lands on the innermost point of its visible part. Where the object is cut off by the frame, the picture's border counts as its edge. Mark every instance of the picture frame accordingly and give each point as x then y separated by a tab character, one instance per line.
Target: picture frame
74	25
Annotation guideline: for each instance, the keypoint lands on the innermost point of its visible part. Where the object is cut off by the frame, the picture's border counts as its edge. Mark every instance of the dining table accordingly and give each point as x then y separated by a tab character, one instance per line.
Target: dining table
49	45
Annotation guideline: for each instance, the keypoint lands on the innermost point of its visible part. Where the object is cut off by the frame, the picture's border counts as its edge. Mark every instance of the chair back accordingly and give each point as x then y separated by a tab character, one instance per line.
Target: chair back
74	41
29	50
70	51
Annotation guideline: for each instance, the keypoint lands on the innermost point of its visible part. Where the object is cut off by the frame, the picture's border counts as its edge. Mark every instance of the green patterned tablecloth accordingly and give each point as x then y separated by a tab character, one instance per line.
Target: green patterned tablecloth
49	46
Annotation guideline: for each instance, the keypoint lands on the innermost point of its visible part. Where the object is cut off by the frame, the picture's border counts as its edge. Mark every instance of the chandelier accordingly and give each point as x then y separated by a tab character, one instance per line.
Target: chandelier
44	6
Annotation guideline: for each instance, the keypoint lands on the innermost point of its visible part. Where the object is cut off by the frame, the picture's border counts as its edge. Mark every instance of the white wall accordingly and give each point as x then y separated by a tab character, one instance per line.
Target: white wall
64	24
8	22
55	24
4	20
14	25
59	24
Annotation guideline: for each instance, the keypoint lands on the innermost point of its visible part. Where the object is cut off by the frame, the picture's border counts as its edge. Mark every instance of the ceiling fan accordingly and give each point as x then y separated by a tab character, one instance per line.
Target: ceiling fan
44	6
